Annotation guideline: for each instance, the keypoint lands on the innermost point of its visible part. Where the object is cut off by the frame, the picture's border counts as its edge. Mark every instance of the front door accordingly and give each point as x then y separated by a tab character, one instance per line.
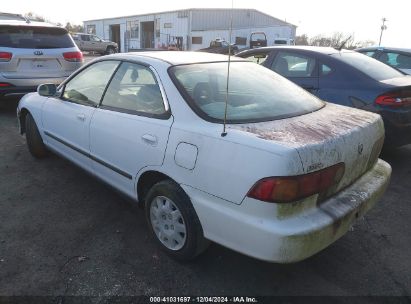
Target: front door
130	129
67	119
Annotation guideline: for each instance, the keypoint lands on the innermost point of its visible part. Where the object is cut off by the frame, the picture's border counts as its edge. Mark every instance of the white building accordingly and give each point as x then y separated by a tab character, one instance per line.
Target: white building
192	28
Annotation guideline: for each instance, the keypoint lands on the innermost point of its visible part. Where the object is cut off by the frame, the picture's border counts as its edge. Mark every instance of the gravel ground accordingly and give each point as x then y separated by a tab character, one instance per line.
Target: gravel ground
62	232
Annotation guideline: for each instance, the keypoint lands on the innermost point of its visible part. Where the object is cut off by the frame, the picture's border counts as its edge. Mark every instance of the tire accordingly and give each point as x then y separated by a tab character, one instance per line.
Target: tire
33	138
173	221
110	50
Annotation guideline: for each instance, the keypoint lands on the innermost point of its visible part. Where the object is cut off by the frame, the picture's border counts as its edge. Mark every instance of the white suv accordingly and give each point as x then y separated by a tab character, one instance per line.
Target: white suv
32	53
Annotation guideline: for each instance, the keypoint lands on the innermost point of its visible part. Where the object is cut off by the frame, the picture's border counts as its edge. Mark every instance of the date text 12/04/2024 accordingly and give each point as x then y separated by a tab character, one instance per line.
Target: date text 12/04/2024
236	299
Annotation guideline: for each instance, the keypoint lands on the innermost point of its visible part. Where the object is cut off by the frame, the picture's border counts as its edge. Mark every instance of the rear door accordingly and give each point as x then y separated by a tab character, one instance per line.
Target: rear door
130	129
300	68
66	120
36	52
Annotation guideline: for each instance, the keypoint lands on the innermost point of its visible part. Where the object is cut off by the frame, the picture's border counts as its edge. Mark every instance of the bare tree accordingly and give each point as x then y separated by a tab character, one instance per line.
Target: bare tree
74	28
34	17
301	40
337	40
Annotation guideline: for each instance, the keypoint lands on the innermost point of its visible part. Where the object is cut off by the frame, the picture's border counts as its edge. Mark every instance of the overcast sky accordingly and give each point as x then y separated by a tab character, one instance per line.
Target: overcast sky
359	17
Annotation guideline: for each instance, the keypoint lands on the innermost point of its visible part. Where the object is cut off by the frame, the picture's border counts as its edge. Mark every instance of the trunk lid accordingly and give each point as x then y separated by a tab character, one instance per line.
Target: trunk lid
326	137
25	64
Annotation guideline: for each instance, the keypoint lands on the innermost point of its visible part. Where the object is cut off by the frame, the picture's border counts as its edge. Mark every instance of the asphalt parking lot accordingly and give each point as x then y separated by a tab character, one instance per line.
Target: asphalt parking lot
62	232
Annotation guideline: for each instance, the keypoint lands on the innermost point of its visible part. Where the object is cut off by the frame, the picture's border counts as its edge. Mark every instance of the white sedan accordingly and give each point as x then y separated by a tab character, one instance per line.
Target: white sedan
288	177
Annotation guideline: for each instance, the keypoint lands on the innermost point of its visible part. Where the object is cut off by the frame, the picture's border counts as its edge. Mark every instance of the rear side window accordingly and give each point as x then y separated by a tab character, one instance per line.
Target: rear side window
33	37
369	66
134	89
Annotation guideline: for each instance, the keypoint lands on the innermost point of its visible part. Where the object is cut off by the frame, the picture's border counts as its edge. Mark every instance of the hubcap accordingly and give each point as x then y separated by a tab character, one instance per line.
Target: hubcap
168	223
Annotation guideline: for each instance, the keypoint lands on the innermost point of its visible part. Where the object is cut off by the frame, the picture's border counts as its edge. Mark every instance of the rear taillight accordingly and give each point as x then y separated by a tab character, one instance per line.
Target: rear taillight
293	188
5	85
5	56
395	99
73	56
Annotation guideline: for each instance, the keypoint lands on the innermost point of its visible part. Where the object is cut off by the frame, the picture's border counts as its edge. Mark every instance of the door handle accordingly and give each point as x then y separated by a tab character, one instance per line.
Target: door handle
150	139
81	117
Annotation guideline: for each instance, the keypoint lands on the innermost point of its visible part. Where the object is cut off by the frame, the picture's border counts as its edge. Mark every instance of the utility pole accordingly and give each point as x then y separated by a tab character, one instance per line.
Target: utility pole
383	27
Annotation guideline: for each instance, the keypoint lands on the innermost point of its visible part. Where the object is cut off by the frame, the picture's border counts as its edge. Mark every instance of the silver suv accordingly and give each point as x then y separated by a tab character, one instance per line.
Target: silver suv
92	43
32	53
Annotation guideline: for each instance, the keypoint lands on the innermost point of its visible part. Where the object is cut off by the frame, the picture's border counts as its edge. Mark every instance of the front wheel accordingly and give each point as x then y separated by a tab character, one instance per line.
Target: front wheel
173	221
110	50
33	138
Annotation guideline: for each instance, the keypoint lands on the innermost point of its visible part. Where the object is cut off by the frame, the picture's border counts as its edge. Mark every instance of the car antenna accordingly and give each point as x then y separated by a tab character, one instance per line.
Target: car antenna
224	133
343	43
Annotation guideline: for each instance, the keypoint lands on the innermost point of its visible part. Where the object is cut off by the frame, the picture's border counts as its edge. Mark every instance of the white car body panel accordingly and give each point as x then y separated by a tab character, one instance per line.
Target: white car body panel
142	143
68	122
217	171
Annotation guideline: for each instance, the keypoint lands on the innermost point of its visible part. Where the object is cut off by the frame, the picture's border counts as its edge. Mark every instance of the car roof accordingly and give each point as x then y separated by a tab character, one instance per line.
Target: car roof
177	57
315	49
381	48
27	23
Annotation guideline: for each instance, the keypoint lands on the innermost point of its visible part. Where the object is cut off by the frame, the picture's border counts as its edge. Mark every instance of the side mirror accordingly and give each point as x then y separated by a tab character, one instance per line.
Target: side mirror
47	89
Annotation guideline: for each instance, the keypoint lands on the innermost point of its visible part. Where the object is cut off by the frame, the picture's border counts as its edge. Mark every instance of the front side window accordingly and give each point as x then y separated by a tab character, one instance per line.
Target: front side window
134	88
95	38
255	93
88	86
293	65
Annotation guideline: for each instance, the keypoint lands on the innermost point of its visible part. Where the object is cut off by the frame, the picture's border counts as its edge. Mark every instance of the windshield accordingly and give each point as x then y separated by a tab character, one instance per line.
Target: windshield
255	93
370	66
33	37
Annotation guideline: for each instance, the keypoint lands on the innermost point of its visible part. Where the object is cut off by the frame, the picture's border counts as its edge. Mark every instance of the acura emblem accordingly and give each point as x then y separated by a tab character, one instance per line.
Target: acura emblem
38	53
360	148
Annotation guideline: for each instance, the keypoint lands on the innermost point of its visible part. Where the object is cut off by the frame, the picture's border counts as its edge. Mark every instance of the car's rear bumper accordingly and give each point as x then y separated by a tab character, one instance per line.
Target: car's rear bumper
19	87
257	228
16	91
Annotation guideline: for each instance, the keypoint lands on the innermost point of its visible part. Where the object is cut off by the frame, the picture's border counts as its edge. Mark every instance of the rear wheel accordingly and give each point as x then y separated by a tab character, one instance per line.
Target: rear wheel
33	138
110	50
173	221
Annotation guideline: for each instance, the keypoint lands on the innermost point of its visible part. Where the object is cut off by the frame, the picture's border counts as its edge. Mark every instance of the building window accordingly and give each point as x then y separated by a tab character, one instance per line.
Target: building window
241	40
168	25
182	14
133	28
91	29
197	40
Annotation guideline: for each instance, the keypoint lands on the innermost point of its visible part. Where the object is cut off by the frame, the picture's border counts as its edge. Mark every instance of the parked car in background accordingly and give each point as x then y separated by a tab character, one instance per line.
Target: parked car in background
399	58
347	78
288	177
220	46
93	43
32	53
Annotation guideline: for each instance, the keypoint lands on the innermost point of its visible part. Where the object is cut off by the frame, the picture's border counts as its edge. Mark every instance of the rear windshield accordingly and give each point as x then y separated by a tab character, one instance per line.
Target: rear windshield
255	93
30	37
370	66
